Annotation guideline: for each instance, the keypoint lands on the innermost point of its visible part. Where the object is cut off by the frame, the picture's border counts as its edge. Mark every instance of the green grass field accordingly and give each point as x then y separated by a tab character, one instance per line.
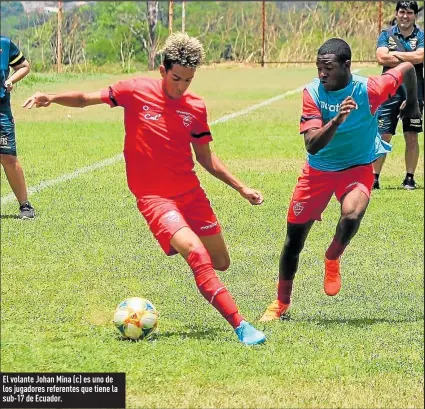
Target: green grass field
63	273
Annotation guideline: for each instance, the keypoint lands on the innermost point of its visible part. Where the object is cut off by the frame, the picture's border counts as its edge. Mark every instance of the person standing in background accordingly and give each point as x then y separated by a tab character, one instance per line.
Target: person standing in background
404	42
11	56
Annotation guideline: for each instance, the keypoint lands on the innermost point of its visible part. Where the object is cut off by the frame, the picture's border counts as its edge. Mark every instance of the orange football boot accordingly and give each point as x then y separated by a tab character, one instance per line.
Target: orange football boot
332	280
275	311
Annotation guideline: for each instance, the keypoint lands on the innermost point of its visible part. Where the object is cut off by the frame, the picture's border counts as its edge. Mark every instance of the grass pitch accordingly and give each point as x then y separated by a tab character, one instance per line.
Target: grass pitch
64	272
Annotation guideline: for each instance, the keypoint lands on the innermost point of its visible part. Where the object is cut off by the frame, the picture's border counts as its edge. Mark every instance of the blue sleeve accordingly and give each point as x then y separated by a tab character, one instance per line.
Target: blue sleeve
14	54
383	40
420	40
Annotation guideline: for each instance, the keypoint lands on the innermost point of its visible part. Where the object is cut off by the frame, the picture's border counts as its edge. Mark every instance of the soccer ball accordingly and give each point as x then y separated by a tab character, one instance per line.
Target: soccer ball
136	318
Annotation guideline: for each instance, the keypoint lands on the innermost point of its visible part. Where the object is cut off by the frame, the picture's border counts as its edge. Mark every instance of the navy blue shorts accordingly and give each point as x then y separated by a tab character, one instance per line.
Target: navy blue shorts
389	111
7	134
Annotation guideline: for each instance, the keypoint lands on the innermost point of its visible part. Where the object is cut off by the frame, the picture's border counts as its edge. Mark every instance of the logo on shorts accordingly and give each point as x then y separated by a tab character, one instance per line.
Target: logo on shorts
352	184
298	208
209	226
172	216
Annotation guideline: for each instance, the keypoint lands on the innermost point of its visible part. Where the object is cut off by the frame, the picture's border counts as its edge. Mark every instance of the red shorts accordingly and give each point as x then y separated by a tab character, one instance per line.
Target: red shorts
165	216
315	188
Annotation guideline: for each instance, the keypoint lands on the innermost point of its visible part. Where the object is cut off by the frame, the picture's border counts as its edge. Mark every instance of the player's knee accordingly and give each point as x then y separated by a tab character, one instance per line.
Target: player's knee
352	218
8	160
189	245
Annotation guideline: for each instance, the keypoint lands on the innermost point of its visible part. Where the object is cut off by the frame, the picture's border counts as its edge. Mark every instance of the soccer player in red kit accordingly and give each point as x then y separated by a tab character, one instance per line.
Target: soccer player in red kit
339	124
162	121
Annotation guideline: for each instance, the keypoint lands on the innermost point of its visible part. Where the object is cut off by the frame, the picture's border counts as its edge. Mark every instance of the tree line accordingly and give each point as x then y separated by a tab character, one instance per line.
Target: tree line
125	36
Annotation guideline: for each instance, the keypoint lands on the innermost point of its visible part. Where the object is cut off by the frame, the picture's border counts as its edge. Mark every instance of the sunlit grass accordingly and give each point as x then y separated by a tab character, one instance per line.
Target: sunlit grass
64	272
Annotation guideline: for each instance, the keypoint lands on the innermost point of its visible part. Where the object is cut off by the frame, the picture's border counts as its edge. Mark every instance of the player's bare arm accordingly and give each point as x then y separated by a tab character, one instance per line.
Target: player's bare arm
210	162
411	108
387	58
316	139
75	99
21	71
414	57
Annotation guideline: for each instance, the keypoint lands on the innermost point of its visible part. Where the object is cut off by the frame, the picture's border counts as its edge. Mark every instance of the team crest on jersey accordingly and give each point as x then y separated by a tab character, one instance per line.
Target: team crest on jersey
392	45
413	43
186	116
298	208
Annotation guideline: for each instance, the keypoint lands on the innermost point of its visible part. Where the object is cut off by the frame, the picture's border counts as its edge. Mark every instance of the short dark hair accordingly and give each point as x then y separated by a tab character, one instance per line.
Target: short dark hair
338	47
412	5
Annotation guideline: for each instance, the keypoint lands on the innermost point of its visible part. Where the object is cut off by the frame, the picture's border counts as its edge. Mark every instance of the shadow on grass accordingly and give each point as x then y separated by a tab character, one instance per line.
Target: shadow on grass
360	322
9	216
400	188
189	334
168	334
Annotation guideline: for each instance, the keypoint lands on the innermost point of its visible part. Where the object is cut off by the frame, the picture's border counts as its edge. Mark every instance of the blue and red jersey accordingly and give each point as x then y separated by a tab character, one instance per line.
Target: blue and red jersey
412	42
356	141
10	56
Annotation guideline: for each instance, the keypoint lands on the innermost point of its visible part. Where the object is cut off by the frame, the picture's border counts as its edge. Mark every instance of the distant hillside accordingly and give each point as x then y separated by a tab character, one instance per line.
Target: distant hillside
49	6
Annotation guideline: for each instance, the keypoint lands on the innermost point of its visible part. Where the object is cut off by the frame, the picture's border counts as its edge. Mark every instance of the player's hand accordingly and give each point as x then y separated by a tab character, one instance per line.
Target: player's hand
9	85
344	110
253	196
38	99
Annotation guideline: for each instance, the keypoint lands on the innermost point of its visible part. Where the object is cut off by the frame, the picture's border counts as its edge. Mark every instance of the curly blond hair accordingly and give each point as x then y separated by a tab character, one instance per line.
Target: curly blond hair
181	49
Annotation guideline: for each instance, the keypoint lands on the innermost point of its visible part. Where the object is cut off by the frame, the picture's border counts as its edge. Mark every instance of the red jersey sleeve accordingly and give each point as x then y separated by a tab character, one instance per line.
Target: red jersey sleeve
311	116
200	132
118	94
383	87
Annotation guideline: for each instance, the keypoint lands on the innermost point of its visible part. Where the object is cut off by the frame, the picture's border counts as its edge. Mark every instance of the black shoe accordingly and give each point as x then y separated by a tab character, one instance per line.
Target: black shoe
26	211
376	184
409	184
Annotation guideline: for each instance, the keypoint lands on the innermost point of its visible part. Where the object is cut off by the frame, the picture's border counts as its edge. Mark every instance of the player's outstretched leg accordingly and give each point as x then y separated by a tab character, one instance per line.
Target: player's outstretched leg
296	235
353	207
188	244
216	294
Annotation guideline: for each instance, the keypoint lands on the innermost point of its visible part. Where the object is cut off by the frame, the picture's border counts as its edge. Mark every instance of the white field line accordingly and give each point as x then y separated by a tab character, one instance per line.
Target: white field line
69	176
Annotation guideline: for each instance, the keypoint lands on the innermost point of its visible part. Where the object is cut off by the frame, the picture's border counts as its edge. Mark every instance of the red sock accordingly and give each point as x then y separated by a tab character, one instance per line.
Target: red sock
284	290
211	287
335	250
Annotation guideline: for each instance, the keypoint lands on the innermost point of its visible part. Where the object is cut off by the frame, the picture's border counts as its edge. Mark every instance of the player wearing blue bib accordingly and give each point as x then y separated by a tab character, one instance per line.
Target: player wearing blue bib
10	56
402	42
340	128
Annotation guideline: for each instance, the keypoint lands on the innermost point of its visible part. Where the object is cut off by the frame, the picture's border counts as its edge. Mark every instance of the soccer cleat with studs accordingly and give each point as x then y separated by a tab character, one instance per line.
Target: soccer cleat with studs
26	211
275	311
332	280
249	335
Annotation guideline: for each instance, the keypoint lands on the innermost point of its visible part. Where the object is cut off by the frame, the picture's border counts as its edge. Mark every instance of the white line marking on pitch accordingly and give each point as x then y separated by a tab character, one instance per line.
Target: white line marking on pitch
69	176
